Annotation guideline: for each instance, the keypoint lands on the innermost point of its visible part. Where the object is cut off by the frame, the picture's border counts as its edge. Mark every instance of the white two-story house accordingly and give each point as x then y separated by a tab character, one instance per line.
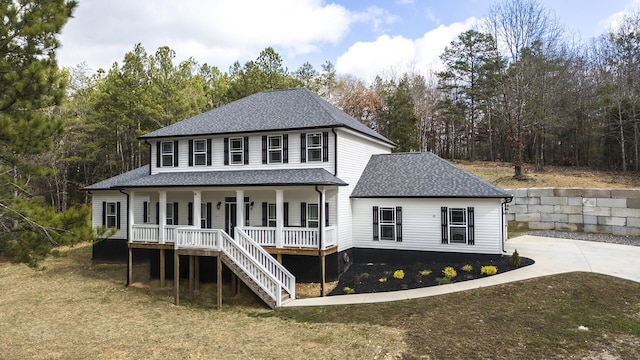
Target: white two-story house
286	174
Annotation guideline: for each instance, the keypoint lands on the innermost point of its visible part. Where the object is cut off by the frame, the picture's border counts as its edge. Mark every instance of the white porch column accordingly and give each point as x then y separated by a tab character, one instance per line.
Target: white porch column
240	209
130	216
279	217
162	215
196	213
321	235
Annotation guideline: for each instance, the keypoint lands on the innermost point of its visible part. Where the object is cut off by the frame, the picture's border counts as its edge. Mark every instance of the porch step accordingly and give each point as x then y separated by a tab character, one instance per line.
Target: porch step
251	284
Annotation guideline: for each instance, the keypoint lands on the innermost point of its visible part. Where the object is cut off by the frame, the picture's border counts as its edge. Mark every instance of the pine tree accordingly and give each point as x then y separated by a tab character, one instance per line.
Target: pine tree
30	86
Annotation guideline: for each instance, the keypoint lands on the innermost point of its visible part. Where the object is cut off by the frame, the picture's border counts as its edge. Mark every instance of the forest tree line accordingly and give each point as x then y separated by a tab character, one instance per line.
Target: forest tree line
515	89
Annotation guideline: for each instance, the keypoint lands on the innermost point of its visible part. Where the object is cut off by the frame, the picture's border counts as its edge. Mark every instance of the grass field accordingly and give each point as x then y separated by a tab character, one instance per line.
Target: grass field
501	174
75	309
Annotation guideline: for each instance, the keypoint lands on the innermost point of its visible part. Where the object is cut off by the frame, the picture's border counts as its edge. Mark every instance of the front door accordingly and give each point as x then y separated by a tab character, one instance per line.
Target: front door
229	217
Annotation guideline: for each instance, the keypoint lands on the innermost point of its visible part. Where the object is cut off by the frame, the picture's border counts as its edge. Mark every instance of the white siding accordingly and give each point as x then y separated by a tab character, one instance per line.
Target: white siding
255	153
100	196
421	225
354	152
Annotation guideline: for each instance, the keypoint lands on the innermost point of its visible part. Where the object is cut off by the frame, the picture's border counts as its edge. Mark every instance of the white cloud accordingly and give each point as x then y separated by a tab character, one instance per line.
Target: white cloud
217	32
399	54
614	20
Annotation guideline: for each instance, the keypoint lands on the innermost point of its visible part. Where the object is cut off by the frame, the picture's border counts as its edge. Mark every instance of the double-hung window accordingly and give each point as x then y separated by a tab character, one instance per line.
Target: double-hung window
203	216
271	215
111	215
166	152
458	225
387	223
170	215
200	152
274	149
314	147
312	215
236	151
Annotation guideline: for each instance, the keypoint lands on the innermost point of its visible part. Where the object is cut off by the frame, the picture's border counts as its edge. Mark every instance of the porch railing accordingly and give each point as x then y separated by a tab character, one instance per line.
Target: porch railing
295	237
245	253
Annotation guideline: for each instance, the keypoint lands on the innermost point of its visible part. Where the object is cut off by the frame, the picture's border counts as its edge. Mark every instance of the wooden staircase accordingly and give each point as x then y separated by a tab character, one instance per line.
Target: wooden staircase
273	283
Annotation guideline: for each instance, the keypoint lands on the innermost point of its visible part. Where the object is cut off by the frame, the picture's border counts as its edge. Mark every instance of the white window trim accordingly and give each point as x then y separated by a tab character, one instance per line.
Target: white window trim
203	215
271	214
311	147
167	153
463	225
382	223
274	149
233	151
110	215
169	210
310	219
195	152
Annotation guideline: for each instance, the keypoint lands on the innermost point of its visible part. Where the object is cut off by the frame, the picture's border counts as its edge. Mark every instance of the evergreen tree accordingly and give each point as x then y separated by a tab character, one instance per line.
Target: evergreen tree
398	121
30	85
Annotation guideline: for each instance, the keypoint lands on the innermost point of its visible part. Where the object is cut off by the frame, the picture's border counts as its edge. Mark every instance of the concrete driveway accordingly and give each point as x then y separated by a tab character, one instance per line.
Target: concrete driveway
552	256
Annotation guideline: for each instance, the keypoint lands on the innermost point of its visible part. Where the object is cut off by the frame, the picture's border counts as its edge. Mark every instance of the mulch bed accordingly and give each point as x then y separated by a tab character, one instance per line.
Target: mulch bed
365	278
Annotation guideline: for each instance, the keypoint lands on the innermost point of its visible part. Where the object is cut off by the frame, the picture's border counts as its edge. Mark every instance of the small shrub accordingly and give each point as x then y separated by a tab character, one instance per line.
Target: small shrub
425	272
449	272
514	261
398	274
443	280
467	268
347	290
382	280
488	270
365	275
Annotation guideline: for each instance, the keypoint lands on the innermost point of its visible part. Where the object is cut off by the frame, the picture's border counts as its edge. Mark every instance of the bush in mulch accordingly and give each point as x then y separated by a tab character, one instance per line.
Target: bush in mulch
382	277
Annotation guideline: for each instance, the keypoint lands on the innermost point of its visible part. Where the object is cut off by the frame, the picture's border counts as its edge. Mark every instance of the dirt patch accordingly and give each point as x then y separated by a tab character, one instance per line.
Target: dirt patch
383	277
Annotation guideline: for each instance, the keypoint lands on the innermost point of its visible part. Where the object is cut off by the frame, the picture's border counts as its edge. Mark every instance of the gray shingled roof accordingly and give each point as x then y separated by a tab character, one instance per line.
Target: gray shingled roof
113	182
282	177
265	111
420	175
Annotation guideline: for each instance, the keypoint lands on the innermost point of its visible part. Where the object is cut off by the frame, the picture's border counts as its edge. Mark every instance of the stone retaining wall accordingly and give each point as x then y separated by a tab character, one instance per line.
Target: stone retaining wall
612	211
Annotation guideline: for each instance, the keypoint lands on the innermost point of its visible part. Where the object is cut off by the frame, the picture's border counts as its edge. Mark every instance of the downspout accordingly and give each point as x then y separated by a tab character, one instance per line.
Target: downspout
503	207
320	222
335	152
128	231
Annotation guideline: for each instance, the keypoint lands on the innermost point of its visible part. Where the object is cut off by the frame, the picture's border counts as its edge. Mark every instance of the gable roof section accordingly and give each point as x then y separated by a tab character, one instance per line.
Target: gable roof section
267	111
281	177
420	175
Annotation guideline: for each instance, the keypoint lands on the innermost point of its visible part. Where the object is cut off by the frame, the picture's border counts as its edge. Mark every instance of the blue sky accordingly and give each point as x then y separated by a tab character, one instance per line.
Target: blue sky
362	38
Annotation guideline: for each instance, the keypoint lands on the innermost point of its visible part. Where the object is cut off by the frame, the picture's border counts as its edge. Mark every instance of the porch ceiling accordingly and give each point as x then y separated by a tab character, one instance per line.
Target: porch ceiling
280	177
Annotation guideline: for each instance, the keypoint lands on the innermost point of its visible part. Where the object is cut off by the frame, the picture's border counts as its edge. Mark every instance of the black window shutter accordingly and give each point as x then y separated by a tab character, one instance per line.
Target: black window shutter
226	151
376	236
470	226
246	150
175	153
157	213
104	213
445	227
286	214
209	212
175	213
145	212
209	152
285	148
398	223
246	214
190	213
158	164
303	147
326	214
264	213
303	214
325	146
118	215
190	152
264	149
